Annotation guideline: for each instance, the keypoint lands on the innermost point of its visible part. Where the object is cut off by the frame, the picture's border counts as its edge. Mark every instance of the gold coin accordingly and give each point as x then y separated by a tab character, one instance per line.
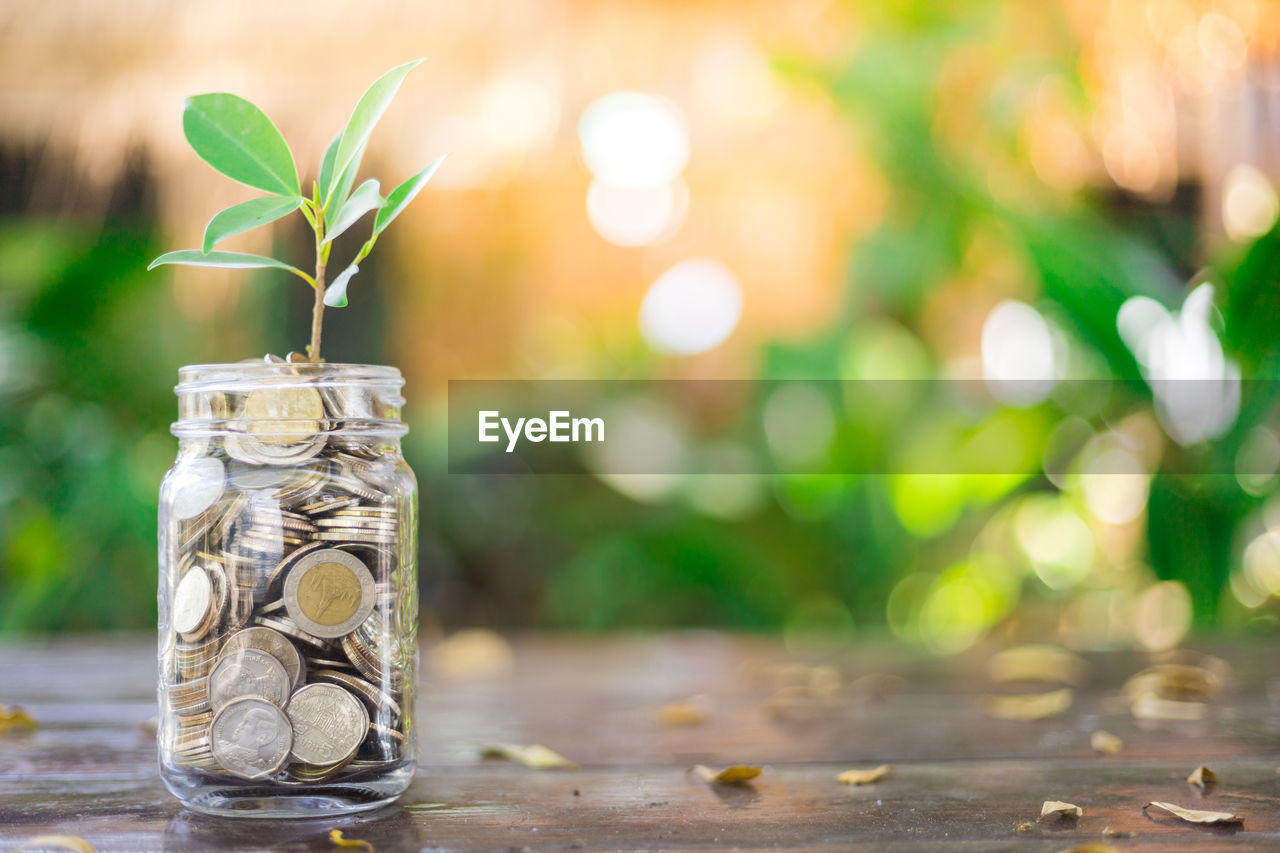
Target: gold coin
283	415
329	593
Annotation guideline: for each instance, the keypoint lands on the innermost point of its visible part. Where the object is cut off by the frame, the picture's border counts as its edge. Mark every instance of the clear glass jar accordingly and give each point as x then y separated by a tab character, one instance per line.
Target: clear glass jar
288	591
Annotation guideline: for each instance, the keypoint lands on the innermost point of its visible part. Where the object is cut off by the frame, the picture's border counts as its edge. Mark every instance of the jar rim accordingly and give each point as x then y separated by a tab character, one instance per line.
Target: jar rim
378	385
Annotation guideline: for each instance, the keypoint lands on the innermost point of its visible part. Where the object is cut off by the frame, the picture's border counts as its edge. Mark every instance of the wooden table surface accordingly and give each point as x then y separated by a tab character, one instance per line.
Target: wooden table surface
961	780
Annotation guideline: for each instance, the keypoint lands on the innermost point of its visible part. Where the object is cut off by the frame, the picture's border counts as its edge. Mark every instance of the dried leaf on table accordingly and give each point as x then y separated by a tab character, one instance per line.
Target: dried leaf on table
1058	810
865	777
536	756
1036	662
14	719
1202	777
735	774
1149	706
58	842
1195	815
876	687
681	714
335	836
1105	743
472	653
1029	706
800	704
1176	681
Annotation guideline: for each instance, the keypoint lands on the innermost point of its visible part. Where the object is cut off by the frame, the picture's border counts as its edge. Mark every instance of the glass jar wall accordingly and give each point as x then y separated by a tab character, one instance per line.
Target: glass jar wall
288	591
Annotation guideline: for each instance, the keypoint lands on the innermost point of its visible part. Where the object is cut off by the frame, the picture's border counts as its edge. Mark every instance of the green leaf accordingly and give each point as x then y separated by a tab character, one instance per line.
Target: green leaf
363	200
335	295
236	138
224	260
326	167
246	215
341	190
398	199
373	103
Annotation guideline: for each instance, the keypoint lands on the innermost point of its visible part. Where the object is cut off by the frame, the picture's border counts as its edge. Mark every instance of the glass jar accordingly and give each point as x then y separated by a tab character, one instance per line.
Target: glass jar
288	600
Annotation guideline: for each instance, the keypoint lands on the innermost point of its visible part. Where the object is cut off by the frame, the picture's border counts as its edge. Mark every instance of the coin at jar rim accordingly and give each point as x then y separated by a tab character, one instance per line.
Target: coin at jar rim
328	724
195	486
284	416
192	602
251	738
273	643
329	593
248	672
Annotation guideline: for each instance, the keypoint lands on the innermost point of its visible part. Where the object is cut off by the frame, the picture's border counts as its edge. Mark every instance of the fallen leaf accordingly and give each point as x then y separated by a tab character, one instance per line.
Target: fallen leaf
1036	662
1029	706
66	842
1058	810
1149	706
735	774
14	719
876	687
536	756
1202	777
865	777
1176	681
472	653
1195	815
682	714
1091	847
335	835
1025	827
1105	742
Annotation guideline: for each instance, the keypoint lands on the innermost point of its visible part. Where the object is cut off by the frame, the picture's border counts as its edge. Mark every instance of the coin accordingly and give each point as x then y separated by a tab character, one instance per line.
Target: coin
195	485
328	724
191	604
329	593
283	416
375	700
273	643
248	672
251	738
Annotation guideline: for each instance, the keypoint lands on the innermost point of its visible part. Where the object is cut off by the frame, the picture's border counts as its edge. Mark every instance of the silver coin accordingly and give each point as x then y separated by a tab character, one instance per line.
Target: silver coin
273	643
191	603
328	724
196	485
248	672
328	593
251	738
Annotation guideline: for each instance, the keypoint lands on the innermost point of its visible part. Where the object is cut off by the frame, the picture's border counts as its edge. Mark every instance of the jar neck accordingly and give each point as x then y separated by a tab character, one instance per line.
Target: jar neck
279	404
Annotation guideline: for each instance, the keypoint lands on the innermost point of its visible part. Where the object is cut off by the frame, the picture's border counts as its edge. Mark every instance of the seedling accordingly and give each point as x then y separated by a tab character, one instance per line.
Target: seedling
236	138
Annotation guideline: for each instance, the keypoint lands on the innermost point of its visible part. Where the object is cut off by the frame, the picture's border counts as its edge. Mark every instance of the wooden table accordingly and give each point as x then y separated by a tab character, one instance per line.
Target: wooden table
961	779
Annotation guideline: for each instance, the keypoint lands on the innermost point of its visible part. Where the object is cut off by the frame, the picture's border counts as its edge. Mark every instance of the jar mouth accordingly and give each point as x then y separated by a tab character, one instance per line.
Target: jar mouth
347	400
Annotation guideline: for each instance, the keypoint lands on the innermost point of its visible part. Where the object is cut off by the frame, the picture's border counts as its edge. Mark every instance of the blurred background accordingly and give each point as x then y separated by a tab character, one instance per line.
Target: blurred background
979	189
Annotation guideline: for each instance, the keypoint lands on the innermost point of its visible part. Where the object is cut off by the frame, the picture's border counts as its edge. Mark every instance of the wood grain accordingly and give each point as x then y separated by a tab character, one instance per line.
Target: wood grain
960	778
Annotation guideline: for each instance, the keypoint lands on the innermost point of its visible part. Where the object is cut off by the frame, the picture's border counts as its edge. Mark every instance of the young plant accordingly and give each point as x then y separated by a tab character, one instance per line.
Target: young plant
236	138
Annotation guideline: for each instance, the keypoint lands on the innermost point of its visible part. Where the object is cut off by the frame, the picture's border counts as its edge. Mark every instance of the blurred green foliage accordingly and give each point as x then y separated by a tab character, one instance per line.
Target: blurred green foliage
89	347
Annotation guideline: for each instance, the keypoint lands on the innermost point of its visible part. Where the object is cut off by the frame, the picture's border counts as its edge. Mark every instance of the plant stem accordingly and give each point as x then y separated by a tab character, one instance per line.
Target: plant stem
317	312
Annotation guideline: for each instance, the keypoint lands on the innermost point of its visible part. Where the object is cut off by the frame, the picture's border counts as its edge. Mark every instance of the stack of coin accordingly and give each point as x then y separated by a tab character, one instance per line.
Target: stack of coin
284	657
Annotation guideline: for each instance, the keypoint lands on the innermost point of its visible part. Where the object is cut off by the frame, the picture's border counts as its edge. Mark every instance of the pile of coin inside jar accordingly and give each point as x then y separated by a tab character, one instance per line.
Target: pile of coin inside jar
282	659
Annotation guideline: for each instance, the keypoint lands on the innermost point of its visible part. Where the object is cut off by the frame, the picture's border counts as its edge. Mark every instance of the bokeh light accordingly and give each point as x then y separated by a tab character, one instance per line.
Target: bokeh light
1018	360
632	139
1249	203
691	308
637	216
